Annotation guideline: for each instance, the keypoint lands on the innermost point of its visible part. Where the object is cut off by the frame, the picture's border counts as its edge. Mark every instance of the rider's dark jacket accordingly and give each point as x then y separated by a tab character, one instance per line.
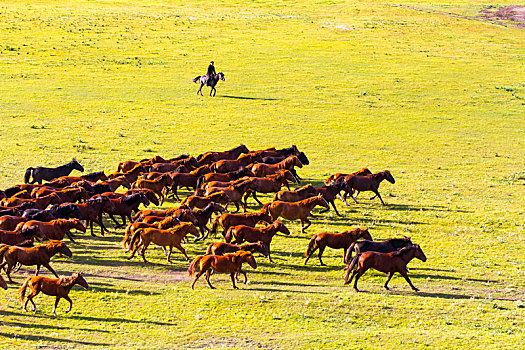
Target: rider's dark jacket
211	70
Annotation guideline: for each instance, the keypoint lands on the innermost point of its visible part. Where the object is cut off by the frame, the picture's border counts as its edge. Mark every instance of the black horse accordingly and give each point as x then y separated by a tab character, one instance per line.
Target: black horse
48	174
59	211
211	82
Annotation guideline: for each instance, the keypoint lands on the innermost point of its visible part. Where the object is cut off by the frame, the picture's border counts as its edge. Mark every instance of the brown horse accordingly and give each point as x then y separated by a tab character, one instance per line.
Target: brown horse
295	211
339	176
39	256
228	263
269	184
171	237
59	287
211	157
228	220
140	215
70	195
329	193
296	195
368	183
262	169
55	229
164	223
221	248
243	233
9	222
156	185
201	202
92	211
20	236
234	192
231	176
130	175
231	165
38	203
341	240
203	216
150	195
125	206
387	262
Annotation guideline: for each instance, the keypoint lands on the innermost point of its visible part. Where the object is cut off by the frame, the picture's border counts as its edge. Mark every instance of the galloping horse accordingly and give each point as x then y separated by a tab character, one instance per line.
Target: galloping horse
341	240
210	157
211	82
55	229
59	287
48	174
387	262
20	236
368	183
295	211
228	263
221	248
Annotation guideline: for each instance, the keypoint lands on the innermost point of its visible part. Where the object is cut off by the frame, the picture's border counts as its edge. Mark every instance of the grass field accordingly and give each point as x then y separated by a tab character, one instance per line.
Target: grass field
429	90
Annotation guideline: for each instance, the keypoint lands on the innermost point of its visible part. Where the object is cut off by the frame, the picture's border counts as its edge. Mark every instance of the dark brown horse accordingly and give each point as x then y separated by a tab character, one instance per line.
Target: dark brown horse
387	262
221	248
9	222
125	206
368	183
340	176
228	220
329	193
55	229
39	256
289	163
341	240
19	236
59	287
201	202
48	174
203	216
240	233
228	263
295	211
296	195
234	192
269	184
92	211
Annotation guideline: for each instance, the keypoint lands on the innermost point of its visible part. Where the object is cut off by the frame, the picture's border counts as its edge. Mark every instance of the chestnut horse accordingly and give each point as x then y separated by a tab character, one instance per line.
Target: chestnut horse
92	211
262	169
368	183
39	256
221	248
234	192
340	176
228	220
329	193
130	175
38	203
296	195
55	229
171	237
58	287
9	222
210	157
341	240
295	211
233	175
156	185
201	202
125	206
387	262
228	263
269	184
241	233
165	223
20	236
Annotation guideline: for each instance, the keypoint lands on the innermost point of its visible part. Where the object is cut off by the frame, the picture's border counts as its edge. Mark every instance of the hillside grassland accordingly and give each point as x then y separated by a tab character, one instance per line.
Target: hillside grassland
428	90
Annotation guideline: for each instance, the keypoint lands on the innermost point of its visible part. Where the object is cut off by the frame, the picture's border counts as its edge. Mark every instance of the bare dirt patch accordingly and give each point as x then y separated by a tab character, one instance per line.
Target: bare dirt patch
513	13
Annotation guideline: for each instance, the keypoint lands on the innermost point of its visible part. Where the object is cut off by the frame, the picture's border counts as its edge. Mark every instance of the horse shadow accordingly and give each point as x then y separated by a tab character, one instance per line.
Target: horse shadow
250	98
50	340
45	326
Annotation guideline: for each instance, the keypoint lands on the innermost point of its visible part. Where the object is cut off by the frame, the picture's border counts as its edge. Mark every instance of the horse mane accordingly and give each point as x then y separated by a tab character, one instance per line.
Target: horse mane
404	250
67	281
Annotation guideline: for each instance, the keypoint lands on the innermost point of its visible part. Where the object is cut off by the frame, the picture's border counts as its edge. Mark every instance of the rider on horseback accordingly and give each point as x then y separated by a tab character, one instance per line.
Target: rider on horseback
210	72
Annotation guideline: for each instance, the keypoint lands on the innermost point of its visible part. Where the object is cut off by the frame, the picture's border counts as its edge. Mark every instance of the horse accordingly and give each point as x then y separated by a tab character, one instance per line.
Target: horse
269	184
368	183
55	229
295	211
9	222
58	287
92	211
203	216
111	185
201	202
12	237
125	206
48	174
296	195
329	193
209	81
228	220
234	192
170	237
228	263
130	175
233	175
211	157
230	165
156	185
387	262
276	159
69	195
221	248
37	203
341	240
241	233
339	176
39	256
163	224
288	163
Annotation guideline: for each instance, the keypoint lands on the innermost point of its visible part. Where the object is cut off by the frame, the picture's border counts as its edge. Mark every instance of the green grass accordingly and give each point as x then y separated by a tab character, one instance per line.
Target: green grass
435	98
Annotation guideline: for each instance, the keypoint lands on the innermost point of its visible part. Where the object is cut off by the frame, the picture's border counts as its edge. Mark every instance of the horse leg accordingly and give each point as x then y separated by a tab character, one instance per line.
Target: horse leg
404	274
117	224
143	251
56	304
321	250
303	228
182	250
47	266
308	256
208	274
333	205
169	254
37	270
70	303
237	207
245	277
378	195
268	249
8	273
30	297
70	235
358	273
343	198
232	275
388	280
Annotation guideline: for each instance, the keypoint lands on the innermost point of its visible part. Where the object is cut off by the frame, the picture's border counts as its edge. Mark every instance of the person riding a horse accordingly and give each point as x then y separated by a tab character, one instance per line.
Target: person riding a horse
210	72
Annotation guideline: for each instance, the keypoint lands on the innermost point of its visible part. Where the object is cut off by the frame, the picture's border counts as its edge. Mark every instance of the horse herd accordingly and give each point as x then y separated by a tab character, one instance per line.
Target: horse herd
49	211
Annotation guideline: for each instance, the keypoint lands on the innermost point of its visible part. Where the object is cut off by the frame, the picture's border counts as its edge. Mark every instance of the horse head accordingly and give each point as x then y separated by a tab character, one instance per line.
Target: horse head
221	77
419	253
281	228
303	159
79	279
246	257
364	234
388	177
150	195
76	165
77	224
60	247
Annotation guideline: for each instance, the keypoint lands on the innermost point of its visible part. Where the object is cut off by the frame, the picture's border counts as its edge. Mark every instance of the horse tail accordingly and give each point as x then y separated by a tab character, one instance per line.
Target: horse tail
22	290
229	235
214	226
199	181
196	79
191	269
210	248
3	249
136	235
351	267
28	173
311	246
265	207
